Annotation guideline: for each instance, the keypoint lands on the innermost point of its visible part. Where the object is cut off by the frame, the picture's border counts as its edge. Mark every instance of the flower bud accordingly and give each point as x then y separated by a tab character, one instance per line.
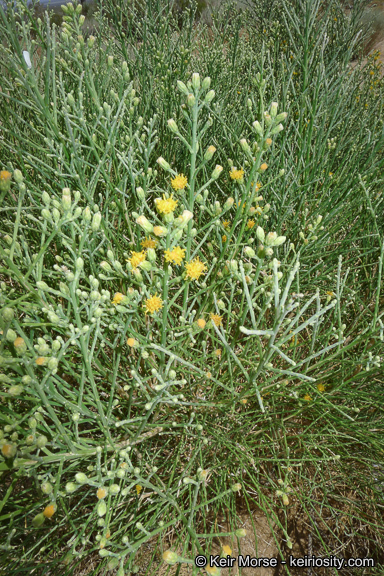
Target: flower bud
41	441
273	111
46	487
229	203
79	264
81	478
18	177
147	266
281	117
236	487
241	533
38	520
70	487
46	214
182	87
42	286
209	153
245	146
151	254
140	193
53	364
91	41
260	234
217	208
206	83
138	276
11	335
66	199
7	315
285	500
271	238
160	231
46	198
87	214
172	126
101	508
248	251
144	223
114	489
56	215
170	557
216	173
20	345
164	165
196	81
105	266
209	96
191	100
232	266
183	219
110	61
16	390
258	128
96	220
277	129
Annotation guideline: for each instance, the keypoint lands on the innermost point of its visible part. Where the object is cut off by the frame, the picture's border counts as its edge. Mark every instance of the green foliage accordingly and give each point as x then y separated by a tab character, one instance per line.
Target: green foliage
191	282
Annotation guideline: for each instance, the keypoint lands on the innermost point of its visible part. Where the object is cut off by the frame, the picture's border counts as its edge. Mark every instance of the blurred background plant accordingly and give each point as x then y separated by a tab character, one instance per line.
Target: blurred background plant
191	276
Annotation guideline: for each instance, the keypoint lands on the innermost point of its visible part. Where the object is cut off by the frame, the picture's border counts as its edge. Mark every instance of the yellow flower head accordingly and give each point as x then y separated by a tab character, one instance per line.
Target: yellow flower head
268	141
307	398
138	489
213	570
5	175
131	342
101	493
136	259
264	166
226	550
166	205
224	238
49	510
175	255
179	182
250	224
201	323
226	224
218	353
118	298
153	304
236	174
320	387
195	269
5	180
149	243
41	360
216	319
160	231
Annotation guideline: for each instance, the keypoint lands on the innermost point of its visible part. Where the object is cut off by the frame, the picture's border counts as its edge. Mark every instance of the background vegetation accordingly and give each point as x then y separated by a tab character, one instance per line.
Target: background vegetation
121	427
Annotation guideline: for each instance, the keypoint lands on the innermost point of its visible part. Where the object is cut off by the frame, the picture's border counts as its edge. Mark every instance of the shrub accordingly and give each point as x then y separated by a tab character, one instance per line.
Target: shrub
190	300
